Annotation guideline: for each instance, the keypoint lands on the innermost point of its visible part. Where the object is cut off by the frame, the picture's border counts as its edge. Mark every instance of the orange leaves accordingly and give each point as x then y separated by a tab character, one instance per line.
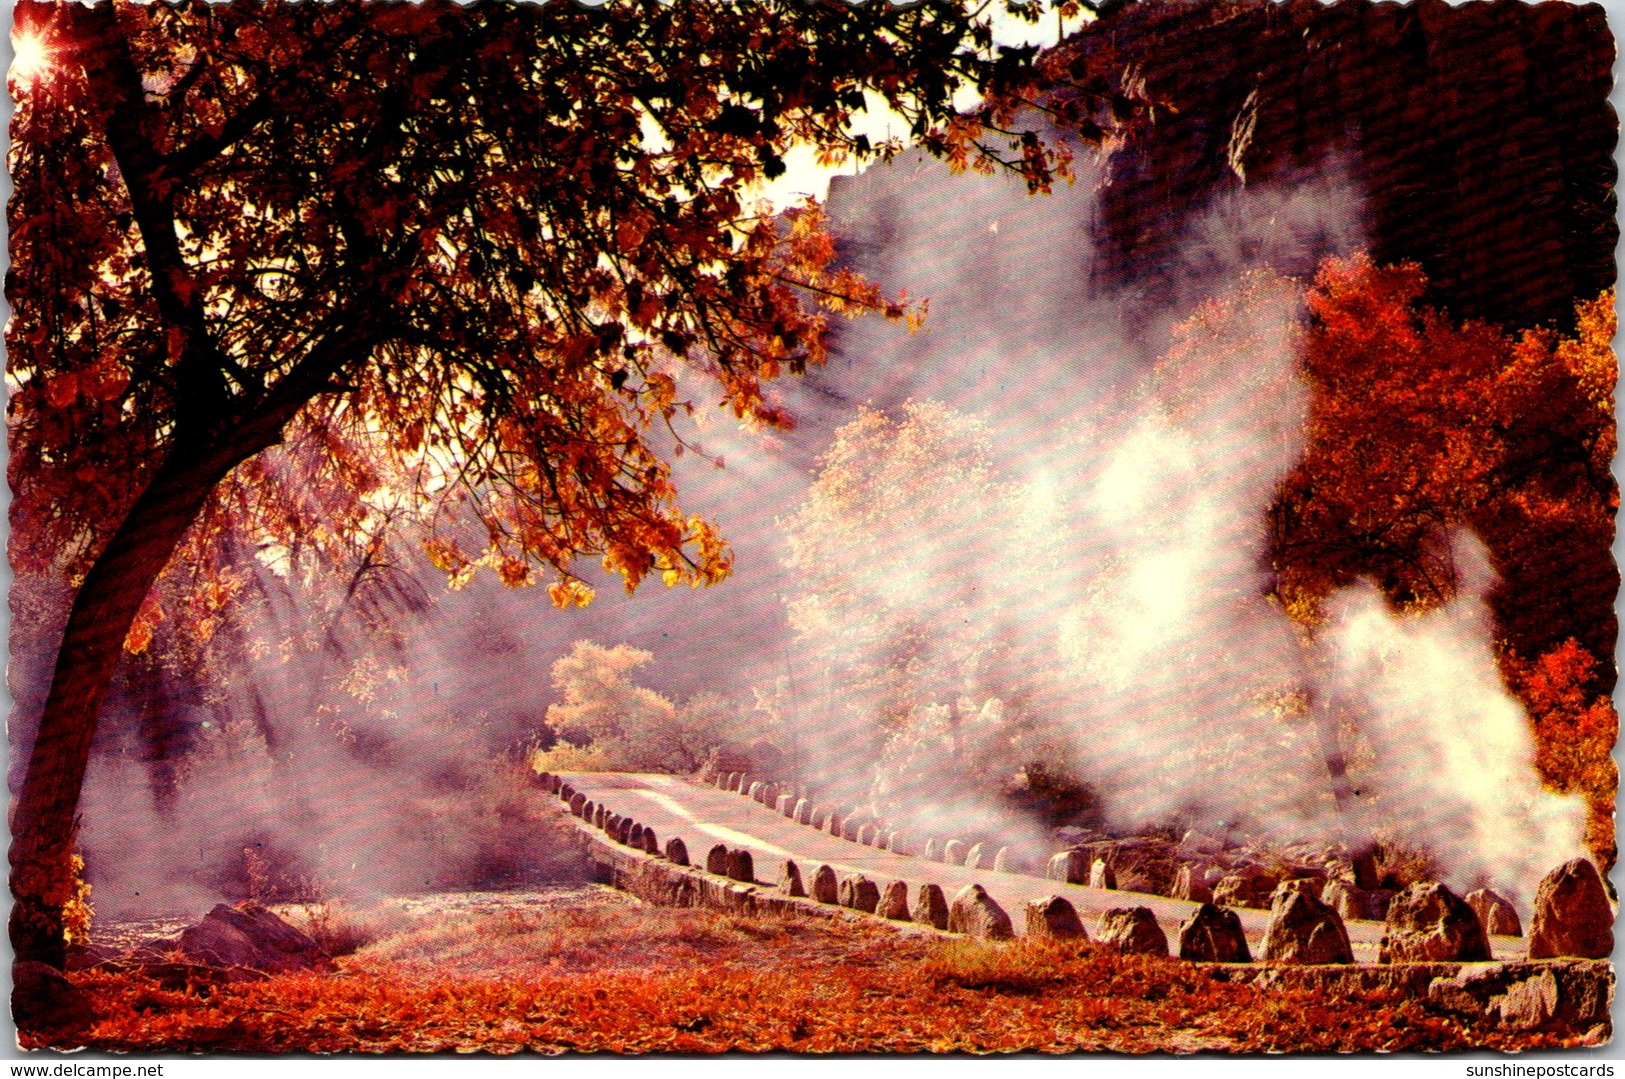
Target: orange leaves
570	593
146	622
684	981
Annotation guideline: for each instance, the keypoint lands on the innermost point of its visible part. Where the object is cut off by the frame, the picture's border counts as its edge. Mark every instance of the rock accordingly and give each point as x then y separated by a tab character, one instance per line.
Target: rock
849	829
1132	931
836	822
740	867
785	806
860	893
976	914
567	794
1495	913
790	881
817	817
588	809
953	852
931	907
1069	867
717	860
1053	918
85	956
1304	930
634	835
676	851
1248	888
1572	914
931	853
248	935
883	840
824	888
973	857
803	811
578	802
42	999
1195	842
755	792
623	831
1010	860
1366	877
897	843
599	815
1102	876
1287	887
1213	935
894	902
1189	884
1557	994
651	844
1430	923
1352	902
866	835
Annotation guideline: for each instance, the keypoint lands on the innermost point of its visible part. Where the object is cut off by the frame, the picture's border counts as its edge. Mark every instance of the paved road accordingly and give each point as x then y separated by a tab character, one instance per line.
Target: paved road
705	816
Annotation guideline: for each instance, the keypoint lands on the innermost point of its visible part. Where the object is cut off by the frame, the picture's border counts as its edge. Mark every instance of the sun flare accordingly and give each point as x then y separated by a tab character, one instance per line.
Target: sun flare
30	57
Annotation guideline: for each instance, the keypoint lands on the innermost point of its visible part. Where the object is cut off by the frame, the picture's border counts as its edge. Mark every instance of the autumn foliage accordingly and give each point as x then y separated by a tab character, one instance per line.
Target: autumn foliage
640	981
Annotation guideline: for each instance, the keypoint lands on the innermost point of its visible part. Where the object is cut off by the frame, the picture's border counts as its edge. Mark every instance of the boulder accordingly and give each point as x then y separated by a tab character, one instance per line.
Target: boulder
248	935
676	851
973	857
931	853
931	907
1053	918
1353	902
1287	887
717	860
1572	915
824	888
1304	930
894	902
1069	867
1010	860
740	867
651	842
567	794
599	815
1213	935
898	844
953	852
849	829
785	806
1190	883
836	823
1495	912
803	811
817	817
755	792
623	831
866	835
790	881
578	804
634	835
1132	931
1102	876
1247	888
860	893
1428	923
883	839
976	914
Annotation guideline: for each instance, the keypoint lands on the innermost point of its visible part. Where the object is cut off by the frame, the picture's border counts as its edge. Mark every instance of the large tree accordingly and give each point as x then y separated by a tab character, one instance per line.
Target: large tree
282	268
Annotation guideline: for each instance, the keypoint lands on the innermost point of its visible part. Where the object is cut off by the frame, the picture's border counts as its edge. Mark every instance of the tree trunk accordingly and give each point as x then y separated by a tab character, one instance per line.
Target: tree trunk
44	818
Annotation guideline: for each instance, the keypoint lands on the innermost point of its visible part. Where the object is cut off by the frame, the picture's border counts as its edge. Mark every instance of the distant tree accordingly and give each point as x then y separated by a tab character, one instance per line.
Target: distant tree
628	727
490	249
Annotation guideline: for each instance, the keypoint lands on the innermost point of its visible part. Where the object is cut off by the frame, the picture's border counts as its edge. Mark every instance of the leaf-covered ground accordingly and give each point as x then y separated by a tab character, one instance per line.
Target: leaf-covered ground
613	976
